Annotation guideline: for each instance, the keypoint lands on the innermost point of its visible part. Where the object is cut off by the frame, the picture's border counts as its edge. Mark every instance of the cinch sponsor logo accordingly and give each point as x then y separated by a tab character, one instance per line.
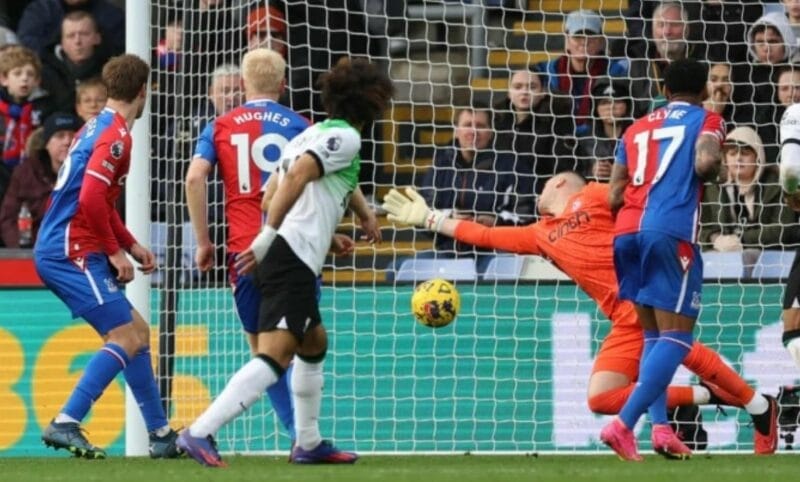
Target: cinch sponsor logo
573	222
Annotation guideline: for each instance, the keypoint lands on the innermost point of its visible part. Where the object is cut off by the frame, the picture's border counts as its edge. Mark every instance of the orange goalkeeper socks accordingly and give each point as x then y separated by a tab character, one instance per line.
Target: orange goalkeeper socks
611	401
708	365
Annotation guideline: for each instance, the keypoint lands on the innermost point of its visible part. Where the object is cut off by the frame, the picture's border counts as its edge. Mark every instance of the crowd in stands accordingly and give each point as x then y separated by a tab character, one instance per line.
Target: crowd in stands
567	113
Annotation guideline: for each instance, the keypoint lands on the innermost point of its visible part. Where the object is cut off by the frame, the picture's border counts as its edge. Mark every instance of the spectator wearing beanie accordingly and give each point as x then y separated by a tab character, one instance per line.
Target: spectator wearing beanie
33	181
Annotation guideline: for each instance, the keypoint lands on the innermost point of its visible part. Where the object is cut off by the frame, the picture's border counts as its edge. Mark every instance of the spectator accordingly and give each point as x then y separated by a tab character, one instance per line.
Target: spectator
266	28
637	27
79	56
574	73
470	179
650	58
22	106
771	44
42	21
768	117
716	28
613	113
720	90
792	8
224	93
90	98
536	128
170	46
724	26
748	210
33	181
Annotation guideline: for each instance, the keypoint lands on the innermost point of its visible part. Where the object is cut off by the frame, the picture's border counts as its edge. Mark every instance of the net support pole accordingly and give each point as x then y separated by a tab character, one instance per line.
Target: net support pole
137	209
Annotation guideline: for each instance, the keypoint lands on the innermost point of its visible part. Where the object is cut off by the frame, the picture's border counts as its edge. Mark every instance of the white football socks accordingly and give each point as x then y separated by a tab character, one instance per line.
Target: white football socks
700	395
793	347
244	389
307	398
758	405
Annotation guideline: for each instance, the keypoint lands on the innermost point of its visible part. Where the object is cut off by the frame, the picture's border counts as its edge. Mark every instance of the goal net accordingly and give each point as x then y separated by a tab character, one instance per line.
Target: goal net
511	373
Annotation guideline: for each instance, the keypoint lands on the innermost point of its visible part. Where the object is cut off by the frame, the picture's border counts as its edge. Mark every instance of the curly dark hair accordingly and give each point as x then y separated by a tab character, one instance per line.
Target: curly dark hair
686	76
355	90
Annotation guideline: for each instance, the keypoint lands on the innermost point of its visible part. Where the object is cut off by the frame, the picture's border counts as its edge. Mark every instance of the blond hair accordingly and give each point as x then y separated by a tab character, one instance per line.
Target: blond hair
263	71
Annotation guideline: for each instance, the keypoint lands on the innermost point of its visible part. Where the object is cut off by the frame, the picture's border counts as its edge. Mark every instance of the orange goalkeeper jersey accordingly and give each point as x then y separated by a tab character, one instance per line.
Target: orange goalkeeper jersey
579	242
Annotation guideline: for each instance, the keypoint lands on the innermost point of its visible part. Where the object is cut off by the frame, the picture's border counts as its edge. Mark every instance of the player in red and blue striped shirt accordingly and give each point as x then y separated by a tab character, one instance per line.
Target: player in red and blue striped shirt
245	145
656	186
81	255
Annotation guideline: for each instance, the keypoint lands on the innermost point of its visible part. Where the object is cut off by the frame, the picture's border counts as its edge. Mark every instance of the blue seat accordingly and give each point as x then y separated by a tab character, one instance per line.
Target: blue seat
722	265
504	267
773	264
421	269
159	243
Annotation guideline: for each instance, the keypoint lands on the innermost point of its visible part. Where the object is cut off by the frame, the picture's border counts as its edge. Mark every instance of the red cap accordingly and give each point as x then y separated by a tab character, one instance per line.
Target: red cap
263	19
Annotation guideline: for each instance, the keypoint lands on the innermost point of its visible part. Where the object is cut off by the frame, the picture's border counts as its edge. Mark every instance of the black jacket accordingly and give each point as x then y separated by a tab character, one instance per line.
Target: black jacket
486	186
40	25
542	145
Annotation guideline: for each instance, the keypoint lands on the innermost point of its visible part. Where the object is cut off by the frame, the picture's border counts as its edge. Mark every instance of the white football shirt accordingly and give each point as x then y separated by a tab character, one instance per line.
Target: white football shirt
310	224
790	149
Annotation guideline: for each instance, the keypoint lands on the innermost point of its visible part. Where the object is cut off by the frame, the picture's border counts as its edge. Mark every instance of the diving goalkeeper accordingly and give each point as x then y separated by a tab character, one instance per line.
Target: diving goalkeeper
576	234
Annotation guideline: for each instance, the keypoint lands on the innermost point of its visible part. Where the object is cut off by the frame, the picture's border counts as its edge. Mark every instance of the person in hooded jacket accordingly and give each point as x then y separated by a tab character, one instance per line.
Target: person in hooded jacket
747	211
771	44
612	114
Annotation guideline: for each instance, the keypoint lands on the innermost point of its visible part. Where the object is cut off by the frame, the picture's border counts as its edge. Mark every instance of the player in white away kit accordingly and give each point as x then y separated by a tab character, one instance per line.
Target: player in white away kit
319	172
790	180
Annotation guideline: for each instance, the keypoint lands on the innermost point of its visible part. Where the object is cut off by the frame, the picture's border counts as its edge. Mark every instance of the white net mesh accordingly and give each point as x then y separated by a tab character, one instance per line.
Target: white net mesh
511	373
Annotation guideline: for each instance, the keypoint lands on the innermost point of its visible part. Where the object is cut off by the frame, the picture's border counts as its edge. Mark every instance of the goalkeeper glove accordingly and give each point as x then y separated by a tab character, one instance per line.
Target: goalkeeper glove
410	208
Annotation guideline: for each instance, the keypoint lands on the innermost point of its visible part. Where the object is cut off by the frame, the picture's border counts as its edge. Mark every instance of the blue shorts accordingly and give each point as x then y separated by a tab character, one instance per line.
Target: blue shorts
654	269
247	297
88	288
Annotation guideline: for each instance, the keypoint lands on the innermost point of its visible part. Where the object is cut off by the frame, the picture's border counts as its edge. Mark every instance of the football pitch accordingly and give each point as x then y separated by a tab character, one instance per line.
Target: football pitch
456	468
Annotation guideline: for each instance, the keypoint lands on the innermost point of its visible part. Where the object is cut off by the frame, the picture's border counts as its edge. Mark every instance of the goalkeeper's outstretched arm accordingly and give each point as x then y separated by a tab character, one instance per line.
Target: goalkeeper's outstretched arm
411	209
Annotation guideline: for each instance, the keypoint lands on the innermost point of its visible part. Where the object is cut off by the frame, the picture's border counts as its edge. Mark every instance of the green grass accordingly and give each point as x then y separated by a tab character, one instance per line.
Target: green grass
723	468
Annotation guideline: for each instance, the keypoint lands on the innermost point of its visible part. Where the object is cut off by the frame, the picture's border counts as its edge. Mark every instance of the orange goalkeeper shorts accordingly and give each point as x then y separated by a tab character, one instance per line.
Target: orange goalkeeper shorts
620	351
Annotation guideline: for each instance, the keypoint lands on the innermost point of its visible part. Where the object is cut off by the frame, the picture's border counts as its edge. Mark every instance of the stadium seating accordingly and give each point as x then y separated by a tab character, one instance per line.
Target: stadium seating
421	269
504	268
718	266
773	264
538	268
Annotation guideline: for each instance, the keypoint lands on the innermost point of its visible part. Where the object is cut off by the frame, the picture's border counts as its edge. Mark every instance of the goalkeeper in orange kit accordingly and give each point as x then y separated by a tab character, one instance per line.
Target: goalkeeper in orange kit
576	234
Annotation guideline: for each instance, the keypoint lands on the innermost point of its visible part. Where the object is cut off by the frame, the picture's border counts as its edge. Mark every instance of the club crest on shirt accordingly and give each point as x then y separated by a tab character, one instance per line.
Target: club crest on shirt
334	143
117	149
696	300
